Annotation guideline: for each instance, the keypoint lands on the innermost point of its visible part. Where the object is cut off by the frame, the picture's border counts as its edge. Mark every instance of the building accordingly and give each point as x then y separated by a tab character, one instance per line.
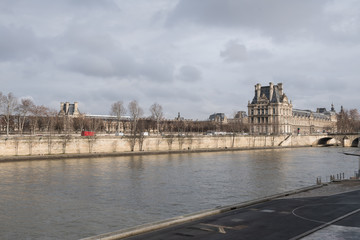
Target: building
68	109
271	112
308	122
179	118
218	117
240	115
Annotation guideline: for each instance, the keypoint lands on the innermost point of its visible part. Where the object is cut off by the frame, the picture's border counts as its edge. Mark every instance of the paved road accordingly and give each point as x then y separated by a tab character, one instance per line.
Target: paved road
330	217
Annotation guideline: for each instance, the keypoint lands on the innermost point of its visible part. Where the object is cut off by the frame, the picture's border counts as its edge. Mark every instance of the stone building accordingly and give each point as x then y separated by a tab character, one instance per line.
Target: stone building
240	115
308	122
218	117
271	112
104	123
69	109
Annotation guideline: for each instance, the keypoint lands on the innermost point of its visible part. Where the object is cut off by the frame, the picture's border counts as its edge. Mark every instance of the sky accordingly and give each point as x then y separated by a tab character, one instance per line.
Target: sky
196	57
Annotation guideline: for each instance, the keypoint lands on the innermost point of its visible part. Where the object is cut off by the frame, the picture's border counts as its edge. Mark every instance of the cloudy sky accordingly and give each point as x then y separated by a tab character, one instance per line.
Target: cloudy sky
196	57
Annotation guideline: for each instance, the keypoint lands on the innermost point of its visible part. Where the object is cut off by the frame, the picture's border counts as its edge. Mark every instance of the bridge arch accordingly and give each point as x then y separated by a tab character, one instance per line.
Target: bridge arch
355	142
327	141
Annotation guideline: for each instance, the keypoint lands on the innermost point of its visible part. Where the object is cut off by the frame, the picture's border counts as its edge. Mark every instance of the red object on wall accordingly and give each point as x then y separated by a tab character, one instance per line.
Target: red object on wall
87	133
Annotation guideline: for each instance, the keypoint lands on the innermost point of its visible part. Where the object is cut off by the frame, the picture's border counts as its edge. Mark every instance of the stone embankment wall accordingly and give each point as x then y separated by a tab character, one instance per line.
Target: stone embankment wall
52	145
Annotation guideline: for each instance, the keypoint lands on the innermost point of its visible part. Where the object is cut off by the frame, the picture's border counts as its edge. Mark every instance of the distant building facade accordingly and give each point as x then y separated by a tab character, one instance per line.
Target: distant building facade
271	112
109	123
240	115
218	117
69	109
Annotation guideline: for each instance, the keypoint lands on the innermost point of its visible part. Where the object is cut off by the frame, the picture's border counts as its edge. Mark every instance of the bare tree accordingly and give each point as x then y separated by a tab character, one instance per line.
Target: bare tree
354	115
96	124
81	123
118	110
50	120
157	114
135	113
24	109
59	123
348	121
8	105
36	119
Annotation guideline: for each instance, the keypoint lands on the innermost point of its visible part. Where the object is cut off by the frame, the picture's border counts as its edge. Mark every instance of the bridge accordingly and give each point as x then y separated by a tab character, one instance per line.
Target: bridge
341	139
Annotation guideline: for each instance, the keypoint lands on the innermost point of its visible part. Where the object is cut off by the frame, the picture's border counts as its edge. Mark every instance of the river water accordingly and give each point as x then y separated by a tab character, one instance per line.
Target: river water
76	198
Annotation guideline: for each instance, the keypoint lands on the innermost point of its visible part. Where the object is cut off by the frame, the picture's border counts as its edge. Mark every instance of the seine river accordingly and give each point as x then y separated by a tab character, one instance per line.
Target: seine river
76	198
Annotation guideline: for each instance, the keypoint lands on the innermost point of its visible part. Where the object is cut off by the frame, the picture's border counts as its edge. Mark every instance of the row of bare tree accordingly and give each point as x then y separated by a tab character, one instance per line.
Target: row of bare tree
136	112
139	124
24	116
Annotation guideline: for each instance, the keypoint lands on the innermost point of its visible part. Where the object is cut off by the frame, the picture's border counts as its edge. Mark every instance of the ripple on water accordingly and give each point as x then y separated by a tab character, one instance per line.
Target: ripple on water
75	198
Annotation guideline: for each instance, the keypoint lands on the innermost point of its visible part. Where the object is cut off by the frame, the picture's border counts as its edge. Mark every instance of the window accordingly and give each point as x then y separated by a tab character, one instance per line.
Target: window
273	110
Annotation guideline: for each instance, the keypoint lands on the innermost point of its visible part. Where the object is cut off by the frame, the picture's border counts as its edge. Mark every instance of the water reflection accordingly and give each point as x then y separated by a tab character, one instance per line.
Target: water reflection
74	198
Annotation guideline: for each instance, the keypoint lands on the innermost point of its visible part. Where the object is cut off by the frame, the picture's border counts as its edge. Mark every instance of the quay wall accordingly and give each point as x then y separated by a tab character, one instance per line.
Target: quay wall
57	145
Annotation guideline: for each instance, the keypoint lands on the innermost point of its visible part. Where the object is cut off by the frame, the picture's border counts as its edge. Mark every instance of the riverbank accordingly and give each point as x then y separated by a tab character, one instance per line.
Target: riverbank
213	221
126	154
15	148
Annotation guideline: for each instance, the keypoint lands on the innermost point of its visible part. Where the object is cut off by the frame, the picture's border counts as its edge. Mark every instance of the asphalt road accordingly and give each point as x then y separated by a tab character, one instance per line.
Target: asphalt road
337	216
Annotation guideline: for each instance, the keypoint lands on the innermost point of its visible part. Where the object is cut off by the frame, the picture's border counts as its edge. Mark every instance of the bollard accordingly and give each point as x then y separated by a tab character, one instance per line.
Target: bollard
318	181
332	178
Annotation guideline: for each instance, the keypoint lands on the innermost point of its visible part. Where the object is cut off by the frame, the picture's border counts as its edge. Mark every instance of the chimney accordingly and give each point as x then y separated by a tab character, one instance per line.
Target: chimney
61	107
258	91
76	111
271	90
281	91
67	107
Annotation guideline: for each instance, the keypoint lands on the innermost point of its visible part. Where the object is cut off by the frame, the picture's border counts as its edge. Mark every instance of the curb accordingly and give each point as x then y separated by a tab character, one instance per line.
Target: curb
191	217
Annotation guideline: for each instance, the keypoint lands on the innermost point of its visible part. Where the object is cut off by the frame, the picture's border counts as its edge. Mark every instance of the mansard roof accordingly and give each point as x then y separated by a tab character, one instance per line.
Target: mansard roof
308	113
265	91
301	113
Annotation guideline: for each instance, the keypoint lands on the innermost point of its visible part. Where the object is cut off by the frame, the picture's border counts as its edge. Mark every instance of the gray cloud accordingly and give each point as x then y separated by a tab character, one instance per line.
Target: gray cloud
280	18
98	54
234	52
189	73
121	66
45	7
261	13
195	57
18	44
